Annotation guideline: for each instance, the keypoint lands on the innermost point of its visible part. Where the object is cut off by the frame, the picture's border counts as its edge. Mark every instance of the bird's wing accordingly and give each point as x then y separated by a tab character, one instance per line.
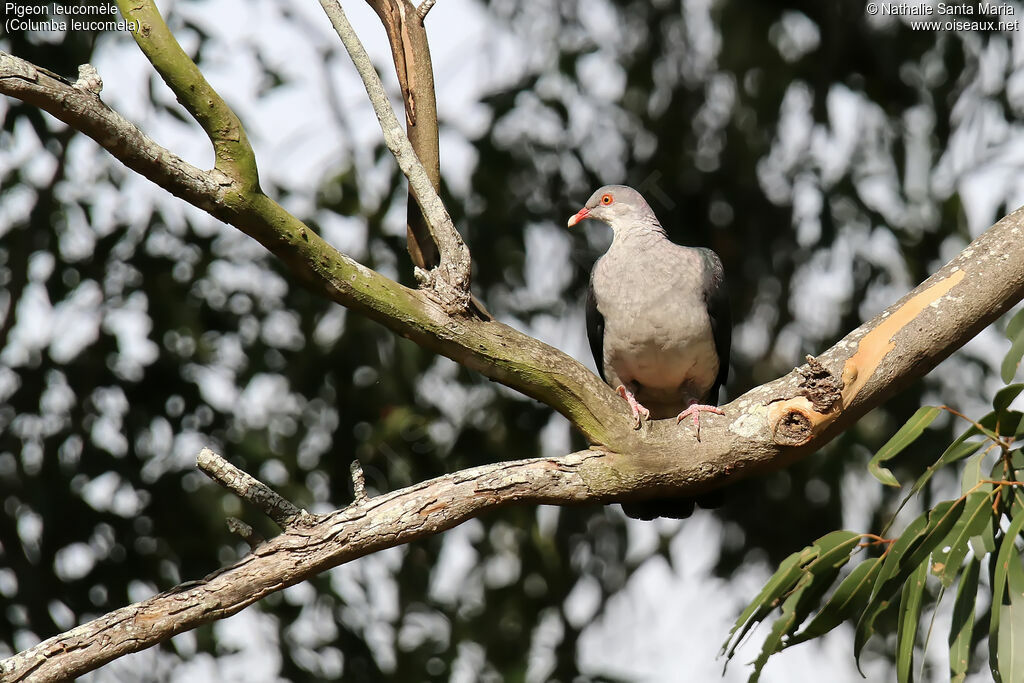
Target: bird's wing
595	328
716	294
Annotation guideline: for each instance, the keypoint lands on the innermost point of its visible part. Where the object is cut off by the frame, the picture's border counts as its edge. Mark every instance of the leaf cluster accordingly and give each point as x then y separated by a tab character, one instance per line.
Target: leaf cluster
973	536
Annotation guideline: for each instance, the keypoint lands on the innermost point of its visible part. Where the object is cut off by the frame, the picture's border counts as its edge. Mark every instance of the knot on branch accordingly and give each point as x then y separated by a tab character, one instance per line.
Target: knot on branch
358	483
89	79
247	533
820	386
794	427
446	286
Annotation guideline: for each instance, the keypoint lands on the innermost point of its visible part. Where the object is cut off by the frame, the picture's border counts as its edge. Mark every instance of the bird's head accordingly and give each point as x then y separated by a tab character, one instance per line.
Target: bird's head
620	206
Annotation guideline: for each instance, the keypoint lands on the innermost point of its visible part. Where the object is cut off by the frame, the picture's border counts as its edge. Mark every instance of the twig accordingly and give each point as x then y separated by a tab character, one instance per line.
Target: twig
248	534
994	436
450	280
425	7
875	539
358	482
247	487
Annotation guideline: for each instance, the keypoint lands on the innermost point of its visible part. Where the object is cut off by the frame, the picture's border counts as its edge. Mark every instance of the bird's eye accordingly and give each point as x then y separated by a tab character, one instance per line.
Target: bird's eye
606	199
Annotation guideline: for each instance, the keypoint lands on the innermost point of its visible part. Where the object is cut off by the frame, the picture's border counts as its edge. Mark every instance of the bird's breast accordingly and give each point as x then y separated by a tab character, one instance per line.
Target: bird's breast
658	336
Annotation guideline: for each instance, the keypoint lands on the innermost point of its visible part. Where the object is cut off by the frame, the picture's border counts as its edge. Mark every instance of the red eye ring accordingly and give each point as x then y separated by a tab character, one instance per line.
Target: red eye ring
606	199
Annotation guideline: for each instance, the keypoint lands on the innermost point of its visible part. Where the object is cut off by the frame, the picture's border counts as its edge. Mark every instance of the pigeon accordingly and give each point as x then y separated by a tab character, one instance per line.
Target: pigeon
658	320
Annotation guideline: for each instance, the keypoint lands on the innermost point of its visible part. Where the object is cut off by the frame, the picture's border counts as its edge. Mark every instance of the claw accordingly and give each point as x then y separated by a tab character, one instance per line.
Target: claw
634	405
695	410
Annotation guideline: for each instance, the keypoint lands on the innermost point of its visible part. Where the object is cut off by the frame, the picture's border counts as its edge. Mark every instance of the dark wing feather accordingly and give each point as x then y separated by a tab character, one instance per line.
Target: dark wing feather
716	294
595	328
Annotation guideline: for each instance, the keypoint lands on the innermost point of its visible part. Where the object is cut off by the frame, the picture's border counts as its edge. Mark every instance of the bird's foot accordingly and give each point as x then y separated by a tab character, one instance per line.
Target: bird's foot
634	405
695	410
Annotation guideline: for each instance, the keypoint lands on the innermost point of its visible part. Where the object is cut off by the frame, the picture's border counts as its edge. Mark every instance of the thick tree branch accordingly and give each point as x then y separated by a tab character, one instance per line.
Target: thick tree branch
310	545
450	279
234	155
82	109
766	428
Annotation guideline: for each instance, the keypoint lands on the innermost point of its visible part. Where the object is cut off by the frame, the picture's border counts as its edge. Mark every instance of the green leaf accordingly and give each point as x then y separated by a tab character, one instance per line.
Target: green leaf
1017	464
1015	333
911	600
853	593
1011	642
824	559
1015	328
833	553
926	532
1004	397
950	554
1012	361
1007	554
784	578
807	573
970	478
788	621
962	626
909	551
1015	578
1011	624
907	434
1011	423
959	449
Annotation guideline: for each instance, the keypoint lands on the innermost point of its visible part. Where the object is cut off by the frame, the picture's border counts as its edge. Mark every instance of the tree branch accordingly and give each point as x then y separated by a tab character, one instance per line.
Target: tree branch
83	110
410	52
496	350
450	280
767	428
234	155
425	7
310	545
248	488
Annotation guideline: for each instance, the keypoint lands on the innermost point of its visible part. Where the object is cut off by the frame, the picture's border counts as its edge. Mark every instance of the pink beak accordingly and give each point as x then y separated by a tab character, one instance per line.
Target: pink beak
582	214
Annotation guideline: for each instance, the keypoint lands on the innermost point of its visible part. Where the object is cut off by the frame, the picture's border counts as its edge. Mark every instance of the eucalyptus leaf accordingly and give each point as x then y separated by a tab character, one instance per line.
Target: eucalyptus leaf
962	626
1004	397
911	601
1011	642
851	594
1011	362
784	578
906	435
1007	553
1015	327
970	478
904	557
949	556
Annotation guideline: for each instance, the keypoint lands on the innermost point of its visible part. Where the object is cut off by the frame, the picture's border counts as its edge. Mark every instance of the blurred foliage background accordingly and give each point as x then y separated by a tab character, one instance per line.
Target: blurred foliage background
832	159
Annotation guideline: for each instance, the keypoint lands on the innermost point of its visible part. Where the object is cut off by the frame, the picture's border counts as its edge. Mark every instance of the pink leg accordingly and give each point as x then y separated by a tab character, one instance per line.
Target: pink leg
634	405
695	410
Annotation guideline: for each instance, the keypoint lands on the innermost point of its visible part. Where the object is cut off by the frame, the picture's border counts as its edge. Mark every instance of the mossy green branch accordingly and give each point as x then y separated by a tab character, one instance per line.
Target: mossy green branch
495	350
233	153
